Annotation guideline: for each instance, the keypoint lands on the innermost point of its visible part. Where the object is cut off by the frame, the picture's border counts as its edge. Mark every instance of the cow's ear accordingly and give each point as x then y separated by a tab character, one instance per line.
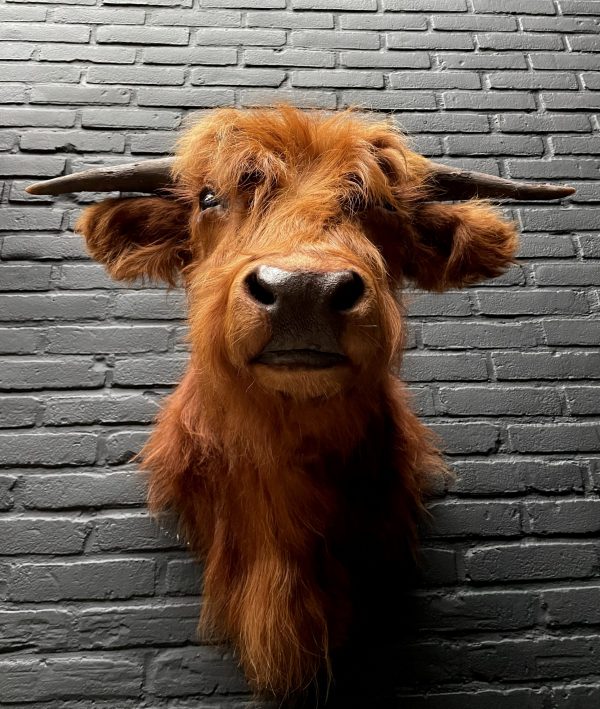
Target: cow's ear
454	245
145	237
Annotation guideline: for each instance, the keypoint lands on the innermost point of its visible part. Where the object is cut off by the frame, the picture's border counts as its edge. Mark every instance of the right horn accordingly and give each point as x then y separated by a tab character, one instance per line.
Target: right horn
146	176
452	183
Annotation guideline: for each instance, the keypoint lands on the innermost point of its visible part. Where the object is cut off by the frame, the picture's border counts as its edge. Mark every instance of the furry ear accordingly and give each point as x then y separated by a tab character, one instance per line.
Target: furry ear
455	245
139	237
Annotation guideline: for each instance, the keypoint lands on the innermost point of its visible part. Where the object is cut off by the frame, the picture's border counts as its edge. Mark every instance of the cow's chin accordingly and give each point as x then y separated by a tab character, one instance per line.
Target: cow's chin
304	378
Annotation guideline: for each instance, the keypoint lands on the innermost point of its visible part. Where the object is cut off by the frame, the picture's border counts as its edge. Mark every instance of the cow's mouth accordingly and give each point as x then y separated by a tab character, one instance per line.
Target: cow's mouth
301	359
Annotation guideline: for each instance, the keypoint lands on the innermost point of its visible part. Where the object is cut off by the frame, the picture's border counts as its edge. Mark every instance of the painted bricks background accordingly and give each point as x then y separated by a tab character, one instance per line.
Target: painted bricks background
98	607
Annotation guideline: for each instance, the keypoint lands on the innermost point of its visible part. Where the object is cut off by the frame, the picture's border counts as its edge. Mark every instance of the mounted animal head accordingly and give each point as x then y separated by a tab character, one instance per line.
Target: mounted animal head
288	450
291	232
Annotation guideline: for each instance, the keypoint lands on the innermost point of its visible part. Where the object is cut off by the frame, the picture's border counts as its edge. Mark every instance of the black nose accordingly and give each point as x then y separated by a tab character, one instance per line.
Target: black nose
332	291
306	312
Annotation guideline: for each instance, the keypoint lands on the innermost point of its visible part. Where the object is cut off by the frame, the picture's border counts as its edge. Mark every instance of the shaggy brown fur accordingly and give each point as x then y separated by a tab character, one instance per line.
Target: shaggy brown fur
279	476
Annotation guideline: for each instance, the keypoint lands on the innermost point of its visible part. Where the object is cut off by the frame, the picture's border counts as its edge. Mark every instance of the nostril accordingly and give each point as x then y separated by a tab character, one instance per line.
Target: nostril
348	291
259	290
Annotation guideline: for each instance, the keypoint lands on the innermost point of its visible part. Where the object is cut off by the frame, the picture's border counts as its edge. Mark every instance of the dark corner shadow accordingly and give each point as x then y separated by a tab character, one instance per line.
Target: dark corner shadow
373	664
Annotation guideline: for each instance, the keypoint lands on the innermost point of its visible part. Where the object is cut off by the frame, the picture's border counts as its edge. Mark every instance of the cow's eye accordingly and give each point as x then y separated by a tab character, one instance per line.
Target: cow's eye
208	199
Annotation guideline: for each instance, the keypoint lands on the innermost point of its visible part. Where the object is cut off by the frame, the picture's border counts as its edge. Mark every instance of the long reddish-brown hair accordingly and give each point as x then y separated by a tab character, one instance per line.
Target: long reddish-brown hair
282	479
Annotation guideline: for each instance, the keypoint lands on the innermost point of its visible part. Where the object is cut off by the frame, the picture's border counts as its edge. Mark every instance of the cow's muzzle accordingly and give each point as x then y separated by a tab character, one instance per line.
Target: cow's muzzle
307	311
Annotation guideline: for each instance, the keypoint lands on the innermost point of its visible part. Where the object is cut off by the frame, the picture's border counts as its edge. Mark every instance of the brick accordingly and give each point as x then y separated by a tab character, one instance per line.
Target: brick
438	566
445	123
30	277
572	605
464	438
80	95
194	18
345	5
549	438
564	61
425	367
248	37
23	14
81	141
385	21
567	274
583	400
534	7
566	25
590	245
582	43
27	679
533	80
98	16
482	610
434	80
115	34
545	246
150	305
523	302
432	40
99	409
333	39
26	165
21	340
578	145
14	51
41	247
558	220
48	449
499	401
183	577
12	93
531	561
237	77
111	339
158	371
62	306
122	118
80	579
489	101
385	60
473	23
289	57
390	100
29	32
287	20
87	53
497	144
479	335
134	531
482	518
578	7
30	374
425	5
546	365
193	670
262	4
41	535
189	55
14	71
482	60
121	447
337	79
45	629
185	97
562	517
18	411
579	102
108	74
544	123
24	219
72	490
509	41
514	475
142	625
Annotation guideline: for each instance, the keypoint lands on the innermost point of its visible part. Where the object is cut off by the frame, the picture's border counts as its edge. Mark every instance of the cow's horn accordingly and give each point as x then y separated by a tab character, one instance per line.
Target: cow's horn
145	176
452	183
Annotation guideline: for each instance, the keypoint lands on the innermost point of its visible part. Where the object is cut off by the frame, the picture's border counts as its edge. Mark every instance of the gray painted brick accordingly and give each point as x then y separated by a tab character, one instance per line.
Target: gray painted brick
511	364
531	561
71	490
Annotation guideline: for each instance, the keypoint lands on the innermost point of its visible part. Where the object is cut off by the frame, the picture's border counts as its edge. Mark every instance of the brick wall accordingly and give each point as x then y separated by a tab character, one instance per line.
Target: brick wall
97	606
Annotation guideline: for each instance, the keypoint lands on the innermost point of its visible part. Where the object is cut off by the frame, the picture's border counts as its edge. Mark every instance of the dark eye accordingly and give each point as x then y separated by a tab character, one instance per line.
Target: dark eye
207	199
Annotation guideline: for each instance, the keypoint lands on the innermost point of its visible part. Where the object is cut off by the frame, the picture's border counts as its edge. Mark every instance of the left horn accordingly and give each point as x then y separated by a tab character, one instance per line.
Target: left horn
452	183
146	176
